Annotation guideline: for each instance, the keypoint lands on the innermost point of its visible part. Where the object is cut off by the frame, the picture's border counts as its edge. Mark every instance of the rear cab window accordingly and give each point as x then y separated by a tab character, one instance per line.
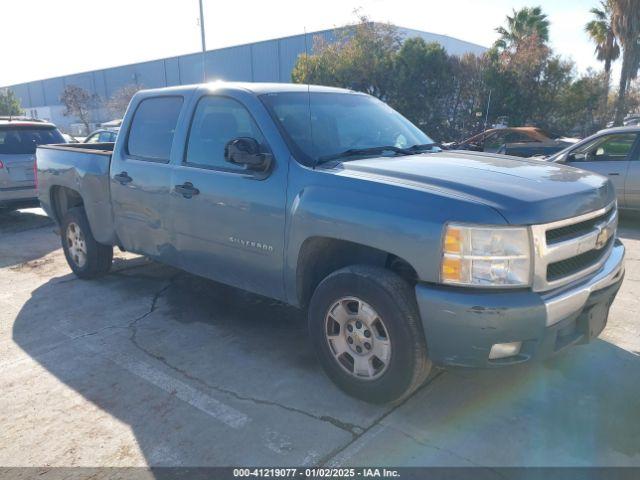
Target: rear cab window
23	139
153	128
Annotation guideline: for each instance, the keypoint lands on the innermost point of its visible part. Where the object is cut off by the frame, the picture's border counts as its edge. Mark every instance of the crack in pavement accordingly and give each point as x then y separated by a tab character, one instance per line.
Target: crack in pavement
353	429
356	431
331	455
446	450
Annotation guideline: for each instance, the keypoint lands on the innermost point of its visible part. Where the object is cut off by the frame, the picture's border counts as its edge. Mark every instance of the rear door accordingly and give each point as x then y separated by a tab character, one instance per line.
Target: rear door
608	155
17	153
141	178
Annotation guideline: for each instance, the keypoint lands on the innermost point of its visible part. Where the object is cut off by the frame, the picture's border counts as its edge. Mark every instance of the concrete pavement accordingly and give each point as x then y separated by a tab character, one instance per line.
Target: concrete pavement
153	366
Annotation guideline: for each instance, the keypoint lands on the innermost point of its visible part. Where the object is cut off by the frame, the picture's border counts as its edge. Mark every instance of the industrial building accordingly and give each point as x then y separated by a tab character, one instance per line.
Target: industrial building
267	61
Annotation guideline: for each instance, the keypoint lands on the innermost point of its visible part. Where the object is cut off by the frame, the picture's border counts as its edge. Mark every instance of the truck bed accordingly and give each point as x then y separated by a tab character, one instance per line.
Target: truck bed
82	168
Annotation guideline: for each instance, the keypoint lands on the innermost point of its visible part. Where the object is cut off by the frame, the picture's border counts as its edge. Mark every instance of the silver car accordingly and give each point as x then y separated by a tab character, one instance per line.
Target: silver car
614	153
18	141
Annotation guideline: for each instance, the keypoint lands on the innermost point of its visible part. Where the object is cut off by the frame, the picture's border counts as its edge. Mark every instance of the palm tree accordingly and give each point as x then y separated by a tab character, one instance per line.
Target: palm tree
524	23
600	30
626	26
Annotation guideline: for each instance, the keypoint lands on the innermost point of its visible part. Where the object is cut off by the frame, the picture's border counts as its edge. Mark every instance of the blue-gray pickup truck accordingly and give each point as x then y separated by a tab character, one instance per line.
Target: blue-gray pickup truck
404	256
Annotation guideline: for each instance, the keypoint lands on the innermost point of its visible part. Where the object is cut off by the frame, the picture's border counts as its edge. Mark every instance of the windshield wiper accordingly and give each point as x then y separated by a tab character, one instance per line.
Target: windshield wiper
353	152
418	147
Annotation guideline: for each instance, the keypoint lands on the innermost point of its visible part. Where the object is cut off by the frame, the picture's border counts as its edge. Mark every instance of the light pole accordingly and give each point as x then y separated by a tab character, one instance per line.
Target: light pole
204	45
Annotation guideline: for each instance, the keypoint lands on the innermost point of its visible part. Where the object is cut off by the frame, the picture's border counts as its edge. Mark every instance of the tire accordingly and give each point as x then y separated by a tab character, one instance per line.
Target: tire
86	257
356	291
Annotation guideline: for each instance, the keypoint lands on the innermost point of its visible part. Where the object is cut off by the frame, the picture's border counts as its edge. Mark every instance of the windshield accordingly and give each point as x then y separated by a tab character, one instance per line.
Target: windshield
24	140
318	125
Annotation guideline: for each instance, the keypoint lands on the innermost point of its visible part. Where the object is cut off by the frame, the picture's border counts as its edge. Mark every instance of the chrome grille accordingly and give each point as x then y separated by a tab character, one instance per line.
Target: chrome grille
564	268
570	249
568	232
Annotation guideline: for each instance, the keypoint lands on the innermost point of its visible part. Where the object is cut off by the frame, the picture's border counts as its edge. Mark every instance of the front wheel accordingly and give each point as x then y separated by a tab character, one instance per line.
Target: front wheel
366	330
86	257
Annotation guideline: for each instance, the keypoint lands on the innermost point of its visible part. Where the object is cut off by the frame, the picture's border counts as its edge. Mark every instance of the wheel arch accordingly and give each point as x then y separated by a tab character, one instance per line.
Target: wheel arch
62	199
320	256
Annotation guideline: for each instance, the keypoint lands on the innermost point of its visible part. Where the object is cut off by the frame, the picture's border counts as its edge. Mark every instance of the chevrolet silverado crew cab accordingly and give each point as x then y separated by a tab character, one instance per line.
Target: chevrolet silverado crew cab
404	256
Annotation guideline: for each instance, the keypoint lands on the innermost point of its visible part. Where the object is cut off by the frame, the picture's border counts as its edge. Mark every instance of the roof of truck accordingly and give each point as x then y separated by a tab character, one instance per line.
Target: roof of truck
257	88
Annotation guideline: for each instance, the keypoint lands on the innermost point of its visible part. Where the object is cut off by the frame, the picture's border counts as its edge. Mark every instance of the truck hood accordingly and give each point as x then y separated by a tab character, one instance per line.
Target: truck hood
523	191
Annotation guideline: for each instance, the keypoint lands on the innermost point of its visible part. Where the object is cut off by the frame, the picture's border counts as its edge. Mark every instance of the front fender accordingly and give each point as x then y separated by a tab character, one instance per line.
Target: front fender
405	222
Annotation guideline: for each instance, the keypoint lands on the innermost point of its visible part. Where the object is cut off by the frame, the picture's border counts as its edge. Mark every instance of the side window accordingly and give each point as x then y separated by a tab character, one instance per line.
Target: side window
153	127
517	137
608	148
495	141
216	121
92	139
106	137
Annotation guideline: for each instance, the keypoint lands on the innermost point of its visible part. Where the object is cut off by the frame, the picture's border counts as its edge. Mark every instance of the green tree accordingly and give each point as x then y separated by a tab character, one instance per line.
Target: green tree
78	103
422	87
9	103
525	23
626	26
360	58
447	95
600	31
517	78
579	108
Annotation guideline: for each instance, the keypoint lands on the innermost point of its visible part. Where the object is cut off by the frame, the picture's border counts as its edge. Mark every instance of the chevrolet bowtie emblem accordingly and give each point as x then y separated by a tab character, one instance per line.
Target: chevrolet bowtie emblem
603	236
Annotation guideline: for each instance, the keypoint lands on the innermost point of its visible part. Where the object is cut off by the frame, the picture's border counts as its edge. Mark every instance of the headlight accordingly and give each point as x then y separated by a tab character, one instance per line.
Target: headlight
486	256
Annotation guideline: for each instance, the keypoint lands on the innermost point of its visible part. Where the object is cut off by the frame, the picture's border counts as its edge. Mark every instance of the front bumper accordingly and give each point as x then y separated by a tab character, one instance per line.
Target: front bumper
461	325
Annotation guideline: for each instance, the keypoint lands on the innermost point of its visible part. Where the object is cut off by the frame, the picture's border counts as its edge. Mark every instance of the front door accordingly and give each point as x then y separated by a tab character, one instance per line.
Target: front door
607	155
141	179
228	223
632	183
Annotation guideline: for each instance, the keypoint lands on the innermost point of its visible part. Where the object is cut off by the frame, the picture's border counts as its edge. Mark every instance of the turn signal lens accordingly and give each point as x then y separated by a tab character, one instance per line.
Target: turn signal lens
451	269
453	240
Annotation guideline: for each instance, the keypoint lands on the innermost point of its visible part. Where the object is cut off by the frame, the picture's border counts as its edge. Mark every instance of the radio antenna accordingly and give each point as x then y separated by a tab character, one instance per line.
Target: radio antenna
204	43
306	68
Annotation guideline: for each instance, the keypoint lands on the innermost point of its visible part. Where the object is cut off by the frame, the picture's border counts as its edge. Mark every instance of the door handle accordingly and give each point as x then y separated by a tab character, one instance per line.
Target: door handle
187	190
122	178
613	174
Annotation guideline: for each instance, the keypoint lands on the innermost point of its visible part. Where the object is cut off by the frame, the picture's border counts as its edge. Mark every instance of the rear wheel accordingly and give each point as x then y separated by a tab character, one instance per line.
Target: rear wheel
86	257
366	330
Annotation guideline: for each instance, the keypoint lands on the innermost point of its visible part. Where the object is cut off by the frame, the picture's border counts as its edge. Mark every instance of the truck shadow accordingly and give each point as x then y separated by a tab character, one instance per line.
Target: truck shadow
117	340
21	220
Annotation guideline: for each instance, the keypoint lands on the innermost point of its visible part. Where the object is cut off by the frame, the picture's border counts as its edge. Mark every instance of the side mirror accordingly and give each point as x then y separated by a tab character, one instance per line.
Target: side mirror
245	151
575	157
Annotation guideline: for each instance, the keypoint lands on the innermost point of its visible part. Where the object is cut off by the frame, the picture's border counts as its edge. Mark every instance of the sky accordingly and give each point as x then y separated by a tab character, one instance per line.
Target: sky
47	38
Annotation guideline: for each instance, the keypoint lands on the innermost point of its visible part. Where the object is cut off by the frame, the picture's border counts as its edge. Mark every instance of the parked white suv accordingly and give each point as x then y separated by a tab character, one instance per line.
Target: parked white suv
18	141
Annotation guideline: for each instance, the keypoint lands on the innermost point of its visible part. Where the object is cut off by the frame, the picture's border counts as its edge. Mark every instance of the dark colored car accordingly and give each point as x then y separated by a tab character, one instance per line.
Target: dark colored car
516	141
